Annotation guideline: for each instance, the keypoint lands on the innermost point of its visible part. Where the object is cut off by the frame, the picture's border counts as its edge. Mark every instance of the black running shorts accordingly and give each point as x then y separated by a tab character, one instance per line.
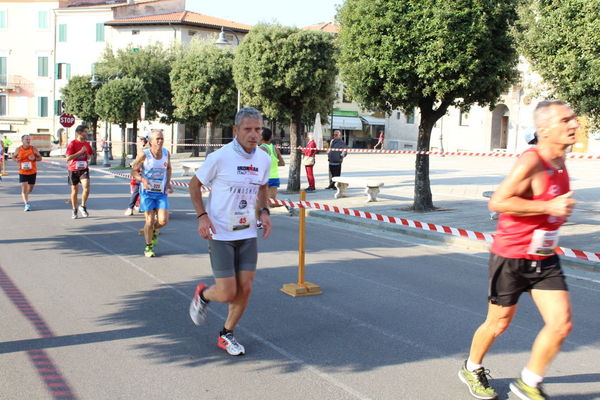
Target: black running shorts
76	176
227	257
509	277
30	179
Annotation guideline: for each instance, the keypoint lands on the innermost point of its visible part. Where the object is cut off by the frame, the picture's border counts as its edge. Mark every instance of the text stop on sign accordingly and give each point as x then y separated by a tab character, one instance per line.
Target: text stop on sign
67	120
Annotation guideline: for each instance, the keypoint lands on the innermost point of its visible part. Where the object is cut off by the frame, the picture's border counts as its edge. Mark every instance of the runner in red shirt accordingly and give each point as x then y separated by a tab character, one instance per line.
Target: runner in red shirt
78	154
535	200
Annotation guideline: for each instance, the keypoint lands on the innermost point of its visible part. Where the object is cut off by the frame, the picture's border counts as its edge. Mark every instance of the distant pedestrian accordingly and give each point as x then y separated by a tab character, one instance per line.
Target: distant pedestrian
310	153
335	157
276	162
6	142
379	141
134	183
26	156
535	200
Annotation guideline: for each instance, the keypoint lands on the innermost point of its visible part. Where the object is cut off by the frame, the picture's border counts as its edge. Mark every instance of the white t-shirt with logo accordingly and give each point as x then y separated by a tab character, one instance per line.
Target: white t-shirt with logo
234	181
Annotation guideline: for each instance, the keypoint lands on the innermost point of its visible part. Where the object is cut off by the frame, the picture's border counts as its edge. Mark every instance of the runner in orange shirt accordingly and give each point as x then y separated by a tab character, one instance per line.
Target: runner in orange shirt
26	156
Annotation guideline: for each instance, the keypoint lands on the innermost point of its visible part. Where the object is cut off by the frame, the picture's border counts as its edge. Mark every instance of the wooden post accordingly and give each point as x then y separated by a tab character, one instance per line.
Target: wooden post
301	288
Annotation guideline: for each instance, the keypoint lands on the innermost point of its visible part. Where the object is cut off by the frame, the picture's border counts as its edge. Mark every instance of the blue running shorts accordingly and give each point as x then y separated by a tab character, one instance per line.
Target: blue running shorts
149	202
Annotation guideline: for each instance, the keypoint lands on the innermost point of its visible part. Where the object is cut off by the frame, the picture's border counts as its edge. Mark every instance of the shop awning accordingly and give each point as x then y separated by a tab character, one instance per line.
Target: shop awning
373	121
348	123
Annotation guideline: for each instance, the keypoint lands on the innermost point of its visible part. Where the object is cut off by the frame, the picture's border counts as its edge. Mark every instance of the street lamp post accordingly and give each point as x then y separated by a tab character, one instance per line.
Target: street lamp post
222	41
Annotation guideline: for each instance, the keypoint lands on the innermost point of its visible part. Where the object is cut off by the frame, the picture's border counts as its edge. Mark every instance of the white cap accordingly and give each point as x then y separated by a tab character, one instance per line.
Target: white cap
530	136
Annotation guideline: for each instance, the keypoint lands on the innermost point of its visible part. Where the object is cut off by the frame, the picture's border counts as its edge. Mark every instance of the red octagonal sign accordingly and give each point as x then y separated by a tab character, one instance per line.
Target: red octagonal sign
67	120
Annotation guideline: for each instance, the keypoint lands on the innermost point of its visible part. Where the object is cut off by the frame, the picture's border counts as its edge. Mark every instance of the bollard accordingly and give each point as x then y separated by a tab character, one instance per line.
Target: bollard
301	288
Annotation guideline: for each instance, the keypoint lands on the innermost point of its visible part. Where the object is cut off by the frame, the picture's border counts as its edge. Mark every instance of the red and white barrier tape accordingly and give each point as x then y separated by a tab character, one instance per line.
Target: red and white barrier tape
579	254
465	233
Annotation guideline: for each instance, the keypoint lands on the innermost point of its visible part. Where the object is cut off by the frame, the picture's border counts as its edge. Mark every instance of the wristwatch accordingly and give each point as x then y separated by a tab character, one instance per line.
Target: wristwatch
266	209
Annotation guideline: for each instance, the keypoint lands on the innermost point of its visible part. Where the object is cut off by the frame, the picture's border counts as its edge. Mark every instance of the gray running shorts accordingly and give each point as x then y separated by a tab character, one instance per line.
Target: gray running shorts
227	257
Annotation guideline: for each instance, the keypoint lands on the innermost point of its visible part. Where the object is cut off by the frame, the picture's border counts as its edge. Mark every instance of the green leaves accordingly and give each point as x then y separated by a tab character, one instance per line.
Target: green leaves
119	100
79	97
202	82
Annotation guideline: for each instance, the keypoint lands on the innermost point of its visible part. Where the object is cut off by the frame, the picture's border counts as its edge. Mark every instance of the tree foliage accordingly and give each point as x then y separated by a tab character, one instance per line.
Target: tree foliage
561	39
287	73
430	54
152	65
118	102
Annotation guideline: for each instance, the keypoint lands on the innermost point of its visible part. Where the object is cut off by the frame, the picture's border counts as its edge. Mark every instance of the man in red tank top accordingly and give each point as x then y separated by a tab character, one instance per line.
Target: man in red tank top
535	200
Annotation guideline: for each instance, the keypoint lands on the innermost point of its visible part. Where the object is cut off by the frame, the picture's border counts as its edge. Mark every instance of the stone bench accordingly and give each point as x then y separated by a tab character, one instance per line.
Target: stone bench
189	168
371	186
488	195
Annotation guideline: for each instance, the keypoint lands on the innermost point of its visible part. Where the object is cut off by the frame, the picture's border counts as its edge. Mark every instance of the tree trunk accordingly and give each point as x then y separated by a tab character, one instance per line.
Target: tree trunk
134	140
195	140
295	154
123	145
94	159
210	134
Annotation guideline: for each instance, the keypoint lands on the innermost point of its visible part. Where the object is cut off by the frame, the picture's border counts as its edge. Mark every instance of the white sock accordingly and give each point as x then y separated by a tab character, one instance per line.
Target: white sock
471	366
530	378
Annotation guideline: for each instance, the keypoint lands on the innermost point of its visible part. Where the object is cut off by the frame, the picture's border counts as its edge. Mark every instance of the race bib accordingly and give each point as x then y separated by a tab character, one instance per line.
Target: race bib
26	165
81	164
156	186
243	213
543	242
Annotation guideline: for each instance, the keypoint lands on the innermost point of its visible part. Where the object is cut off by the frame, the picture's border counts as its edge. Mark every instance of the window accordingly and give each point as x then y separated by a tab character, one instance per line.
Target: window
398	114
43	19
2	19
62	33
191	33
3	73
135	32
100	32
410	117
42	106
3	101
463	119
63	71
58	107
43	66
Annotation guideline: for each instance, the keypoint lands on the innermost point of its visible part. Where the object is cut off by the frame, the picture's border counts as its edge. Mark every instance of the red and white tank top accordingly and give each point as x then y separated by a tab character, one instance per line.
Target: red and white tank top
533	237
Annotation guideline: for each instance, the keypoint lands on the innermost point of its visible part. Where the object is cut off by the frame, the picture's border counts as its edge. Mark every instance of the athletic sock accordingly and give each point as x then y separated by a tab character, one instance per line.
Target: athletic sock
530	378
225	331
471	366
202	296
149	244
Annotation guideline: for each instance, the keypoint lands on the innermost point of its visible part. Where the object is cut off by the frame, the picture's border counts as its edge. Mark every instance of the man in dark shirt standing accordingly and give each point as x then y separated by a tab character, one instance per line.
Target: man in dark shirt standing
335	157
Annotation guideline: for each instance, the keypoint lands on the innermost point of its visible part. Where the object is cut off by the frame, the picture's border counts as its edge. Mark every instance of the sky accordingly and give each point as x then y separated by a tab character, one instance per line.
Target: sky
297	13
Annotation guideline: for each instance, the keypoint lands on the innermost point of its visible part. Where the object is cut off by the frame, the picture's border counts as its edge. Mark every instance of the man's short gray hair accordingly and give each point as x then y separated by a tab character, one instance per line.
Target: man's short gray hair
247	112
540	114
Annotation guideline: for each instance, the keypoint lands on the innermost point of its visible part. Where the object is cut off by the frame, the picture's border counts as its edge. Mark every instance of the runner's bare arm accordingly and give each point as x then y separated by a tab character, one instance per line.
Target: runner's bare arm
16	155
38	156
514	193
168	186
281	162
136	165
262	201
205	226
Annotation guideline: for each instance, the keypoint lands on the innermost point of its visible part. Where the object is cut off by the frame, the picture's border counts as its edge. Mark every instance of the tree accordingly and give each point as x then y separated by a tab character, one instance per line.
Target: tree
203	87
79	97
287	72
561	39
152	65
119	102
429	54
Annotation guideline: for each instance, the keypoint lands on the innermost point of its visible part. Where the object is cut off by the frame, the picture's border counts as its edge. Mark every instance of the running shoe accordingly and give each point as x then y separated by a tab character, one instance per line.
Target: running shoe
27	207
526	392
149	251
228	343
198	307
477	382
84	212
128	212
74	214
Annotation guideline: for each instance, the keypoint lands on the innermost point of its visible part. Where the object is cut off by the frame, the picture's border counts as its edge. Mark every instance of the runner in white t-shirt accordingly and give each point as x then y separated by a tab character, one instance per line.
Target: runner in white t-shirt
238	175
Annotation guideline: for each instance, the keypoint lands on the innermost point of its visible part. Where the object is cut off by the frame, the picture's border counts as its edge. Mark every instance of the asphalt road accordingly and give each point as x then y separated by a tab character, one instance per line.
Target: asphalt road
85	315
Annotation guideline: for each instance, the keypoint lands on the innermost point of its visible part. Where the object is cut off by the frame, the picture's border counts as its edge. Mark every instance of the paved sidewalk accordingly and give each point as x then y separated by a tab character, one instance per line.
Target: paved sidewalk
457	184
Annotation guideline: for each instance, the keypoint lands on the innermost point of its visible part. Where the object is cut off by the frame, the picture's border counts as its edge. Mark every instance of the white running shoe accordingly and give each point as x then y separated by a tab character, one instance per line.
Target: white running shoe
228	343
198	307
83	211
128	212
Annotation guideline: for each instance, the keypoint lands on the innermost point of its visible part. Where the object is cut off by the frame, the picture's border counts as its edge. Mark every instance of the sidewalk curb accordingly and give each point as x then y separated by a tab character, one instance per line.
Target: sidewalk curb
436	236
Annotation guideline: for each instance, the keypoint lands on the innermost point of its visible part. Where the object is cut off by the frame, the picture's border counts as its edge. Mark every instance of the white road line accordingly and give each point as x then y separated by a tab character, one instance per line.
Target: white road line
257	337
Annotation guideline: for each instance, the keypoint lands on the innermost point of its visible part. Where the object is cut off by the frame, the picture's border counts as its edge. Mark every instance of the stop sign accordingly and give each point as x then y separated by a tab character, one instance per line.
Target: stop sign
67	120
